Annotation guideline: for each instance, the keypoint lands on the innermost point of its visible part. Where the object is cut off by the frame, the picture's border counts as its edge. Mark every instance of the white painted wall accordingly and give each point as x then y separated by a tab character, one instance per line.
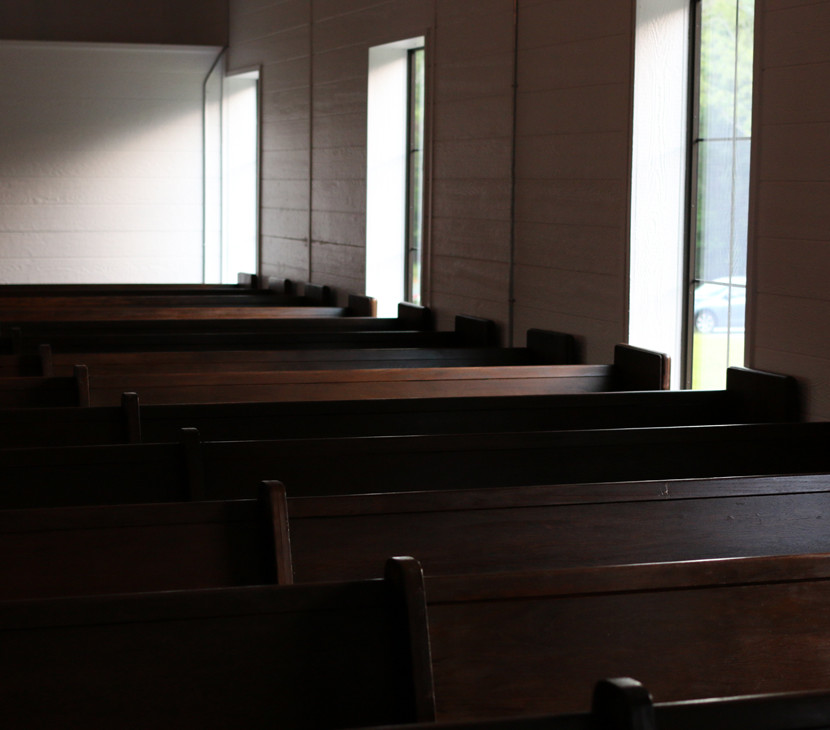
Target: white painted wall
101	162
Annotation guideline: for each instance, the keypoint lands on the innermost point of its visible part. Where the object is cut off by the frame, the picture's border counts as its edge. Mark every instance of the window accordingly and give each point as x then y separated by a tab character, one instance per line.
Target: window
415	177
231	174
720	189
394	174
688	239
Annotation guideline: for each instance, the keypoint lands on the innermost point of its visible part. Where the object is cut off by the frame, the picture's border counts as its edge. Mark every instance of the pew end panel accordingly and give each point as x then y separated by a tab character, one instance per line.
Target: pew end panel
476	331
764	396
554	348
360	305
640	369
415	317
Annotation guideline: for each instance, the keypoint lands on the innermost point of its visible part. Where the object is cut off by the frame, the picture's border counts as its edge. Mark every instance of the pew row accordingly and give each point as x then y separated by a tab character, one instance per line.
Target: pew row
524	643
412	328
750	396
633	369
323	656
145	547
45	392
103	308
490	530
625	704
245	283
542	348
113	474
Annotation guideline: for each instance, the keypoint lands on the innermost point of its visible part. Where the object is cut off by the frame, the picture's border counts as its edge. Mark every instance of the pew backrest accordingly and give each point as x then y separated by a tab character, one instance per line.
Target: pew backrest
63	476
40	392
67	551
532	642
331	656
555	526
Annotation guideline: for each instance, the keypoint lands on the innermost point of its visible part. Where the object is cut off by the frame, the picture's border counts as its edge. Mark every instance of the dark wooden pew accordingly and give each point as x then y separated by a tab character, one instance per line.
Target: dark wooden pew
272	290
62	476
412	328
751	396
555	526
633	369
245	283
625	704
28	364
40	392
409	330
323	656
542	348
507	644
139	548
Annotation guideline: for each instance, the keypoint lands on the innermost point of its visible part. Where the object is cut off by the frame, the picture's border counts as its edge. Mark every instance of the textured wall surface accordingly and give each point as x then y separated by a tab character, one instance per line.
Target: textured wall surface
568	127
789	252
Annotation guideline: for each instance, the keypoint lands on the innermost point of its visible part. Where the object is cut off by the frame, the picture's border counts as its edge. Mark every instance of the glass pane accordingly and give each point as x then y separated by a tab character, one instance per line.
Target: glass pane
744	53
714	210
415	176
722	189
717	68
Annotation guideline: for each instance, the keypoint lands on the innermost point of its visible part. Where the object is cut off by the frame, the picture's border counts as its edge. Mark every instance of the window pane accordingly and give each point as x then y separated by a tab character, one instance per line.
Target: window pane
721	190
717	68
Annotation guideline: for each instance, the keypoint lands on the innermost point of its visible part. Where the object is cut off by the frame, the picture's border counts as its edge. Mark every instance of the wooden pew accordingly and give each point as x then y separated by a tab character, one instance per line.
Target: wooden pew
555	526
525	643
403	331
332	656
625	704
245	283
542	348
29	364
633	369
138	548
40	392
275	291
750	396
63	476
410	329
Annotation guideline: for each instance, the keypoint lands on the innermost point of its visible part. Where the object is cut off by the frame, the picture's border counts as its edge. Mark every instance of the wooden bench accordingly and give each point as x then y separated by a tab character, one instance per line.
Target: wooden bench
633	369
41	392
62	476
555	526
750	396
139	548
507	644
543	348
333	656
625	704
245	283
28	364
410	330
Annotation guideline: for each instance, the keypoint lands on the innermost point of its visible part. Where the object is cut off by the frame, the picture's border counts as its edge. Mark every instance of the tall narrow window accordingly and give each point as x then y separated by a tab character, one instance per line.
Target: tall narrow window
231	174
415	177
720	189
394	173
